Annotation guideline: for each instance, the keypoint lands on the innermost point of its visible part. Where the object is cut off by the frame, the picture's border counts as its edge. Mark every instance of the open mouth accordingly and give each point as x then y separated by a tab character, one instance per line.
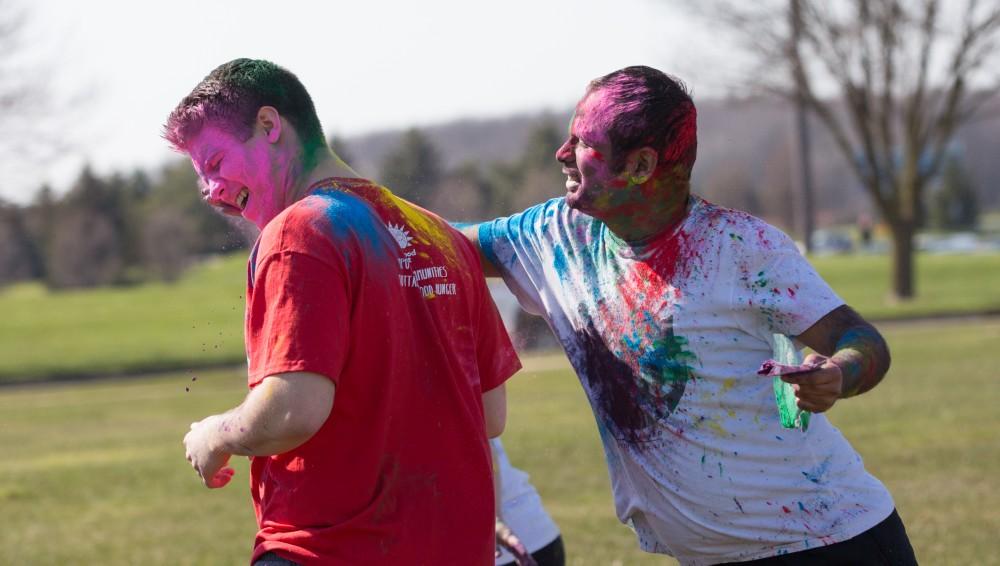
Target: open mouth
240	206
572	179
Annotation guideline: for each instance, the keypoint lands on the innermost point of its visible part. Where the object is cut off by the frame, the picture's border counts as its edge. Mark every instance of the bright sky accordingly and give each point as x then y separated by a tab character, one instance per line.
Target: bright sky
369	64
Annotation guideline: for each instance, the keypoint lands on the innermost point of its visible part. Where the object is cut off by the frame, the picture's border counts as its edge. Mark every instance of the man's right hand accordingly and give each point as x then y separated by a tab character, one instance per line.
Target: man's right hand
208	462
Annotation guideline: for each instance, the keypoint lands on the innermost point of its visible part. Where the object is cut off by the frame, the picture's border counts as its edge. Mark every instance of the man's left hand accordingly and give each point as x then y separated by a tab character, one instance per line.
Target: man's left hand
209	462
816	391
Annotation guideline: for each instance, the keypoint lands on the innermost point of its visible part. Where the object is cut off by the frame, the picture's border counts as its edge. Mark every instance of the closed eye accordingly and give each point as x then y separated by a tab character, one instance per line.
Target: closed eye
214	163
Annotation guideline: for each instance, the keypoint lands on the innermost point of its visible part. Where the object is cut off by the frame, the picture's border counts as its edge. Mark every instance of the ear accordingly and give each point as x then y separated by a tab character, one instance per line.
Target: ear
641	164
269	123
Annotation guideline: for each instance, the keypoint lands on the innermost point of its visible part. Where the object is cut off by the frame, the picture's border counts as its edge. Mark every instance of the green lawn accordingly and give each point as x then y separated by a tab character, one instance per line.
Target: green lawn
198	321
946	284
94	472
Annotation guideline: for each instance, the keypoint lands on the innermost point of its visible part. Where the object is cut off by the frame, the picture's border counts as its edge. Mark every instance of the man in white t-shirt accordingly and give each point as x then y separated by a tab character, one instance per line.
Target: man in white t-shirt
666	306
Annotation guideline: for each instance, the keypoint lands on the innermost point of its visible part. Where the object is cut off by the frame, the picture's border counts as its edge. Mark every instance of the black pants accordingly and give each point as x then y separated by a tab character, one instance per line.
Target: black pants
272	559
885	544
551	554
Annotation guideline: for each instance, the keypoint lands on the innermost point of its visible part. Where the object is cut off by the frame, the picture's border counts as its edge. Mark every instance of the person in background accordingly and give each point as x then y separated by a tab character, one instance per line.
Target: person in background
523	525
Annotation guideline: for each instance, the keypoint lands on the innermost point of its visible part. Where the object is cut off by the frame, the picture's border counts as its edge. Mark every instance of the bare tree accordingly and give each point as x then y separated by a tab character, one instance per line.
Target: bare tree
13	86
891	80
38	125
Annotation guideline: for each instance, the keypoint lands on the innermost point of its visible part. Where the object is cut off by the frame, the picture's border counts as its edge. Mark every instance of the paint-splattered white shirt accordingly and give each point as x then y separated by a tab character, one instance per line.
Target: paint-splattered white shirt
666	336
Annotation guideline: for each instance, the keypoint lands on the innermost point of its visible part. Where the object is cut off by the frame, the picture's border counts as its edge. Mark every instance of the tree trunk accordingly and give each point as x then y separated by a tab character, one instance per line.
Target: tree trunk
807	208
903	284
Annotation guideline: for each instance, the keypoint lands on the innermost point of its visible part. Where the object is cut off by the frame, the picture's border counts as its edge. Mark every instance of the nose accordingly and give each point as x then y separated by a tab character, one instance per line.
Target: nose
565	152
212	190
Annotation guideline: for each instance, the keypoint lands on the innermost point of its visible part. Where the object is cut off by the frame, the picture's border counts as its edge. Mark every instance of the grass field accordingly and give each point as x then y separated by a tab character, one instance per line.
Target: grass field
946	284
94	472
198	321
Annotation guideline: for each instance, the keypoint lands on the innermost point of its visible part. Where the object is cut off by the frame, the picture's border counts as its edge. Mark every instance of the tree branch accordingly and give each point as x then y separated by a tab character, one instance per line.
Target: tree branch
966	59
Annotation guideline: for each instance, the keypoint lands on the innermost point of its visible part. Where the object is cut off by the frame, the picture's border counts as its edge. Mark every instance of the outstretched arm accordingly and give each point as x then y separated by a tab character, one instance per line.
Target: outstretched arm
471	232
279	414
854	360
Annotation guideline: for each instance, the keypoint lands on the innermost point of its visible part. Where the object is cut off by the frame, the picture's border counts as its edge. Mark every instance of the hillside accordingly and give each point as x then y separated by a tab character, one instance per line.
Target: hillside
746	155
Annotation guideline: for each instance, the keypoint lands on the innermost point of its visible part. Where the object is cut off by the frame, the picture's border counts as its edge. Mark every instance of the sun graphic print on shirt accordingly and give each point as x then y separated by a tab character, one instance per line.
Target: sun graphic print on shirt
432	280
400	234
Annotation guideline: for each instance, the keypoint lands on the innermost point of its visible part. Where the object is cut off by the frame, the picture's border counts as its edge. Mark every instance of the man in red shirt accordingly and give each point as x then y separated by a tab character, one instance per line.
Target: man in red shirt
376	356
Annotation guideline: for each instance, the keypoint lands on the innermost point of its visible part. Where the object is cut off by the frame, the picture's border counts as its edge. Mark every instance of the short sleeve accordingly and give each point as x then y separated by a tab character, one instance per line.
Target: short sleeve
779	291
514	245
297	317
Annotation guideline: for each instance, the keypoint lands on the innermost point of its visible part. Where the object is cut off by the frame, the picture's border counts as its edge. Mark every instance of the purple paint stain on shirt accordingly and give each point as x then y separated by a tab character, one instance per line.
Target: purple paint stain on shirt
632	404
614	387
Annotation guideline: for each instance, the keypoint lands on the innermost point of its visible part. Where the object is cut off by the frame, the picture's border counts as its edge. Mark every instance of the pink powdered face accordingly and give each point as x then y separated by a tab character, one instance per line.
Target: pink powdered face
237	177
592	186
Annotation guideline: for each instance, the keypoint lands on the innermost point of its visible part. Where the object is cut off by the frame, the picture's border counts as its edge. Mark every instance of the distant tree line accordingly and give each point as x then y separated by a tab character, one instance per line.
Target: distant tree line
126	229
115	230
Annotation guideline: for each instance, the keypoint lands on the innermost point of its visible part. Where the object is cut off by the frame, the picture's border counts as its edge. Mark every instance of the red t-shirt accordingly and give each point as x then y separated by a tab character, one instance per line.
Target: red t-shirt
389	302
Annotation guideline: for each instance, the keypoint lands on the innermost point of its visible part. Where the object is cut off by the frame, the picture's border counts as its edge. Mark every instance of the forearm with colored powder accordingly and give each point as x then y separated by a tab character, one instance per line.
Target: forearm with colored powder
863	358
277	416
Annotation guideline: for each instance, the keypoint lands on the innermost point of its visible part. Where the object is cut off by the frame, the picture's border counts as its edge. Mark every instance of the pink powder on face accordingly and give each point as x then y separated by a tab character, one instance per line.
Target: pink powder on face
267	197
226	165
593	117
598	185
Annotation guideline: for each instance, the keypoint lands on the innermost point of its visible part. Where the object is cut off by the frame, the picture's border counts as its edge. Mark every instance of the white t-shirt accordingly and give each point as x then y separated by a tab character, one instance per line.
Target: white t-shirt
521	507
666	336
